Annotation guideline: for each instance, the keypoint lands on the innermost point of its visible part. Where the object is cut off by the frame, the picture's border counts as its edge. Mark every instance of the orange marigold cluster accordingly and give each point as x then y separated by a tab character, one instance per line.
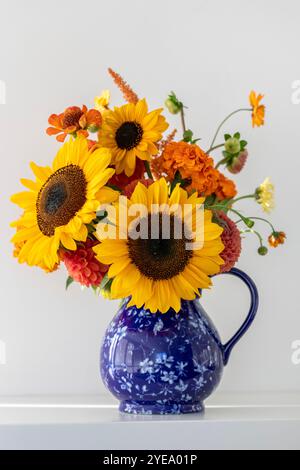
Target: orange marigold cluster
226	188
195	166
129	95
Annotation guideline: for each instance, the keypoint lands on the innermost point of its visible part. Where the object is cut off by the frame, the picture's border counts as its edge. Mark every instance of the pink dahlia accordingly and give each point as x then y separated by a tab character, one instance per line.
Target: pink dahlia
83	266
128	190
232	241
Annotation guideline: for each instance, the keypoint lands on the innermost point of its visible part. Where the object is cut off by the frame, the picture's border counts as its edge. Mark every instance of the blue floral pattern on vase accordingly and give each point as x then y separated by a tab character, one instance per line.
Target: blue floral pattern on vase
167	364
161	364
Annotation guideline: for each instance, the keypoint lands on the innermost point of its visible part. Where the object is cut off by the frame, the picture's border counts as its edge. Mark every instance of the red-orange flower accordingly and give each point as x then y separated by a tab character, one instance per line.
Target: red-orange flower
83	266
74	121
193	165
129	189
226	188
122	180
276	239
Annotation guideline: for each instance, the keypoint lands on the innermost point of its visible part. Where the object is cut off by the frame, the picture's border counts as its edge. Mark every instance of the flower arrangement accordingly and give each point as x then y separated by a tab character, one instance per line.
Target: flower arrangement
131	161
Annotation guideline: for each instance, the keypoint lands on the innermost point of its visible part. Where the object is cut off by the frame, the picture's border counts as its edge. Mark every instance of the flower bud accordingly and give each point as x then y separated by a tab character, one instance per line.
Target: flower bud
263	250
233	146
173	106
238	162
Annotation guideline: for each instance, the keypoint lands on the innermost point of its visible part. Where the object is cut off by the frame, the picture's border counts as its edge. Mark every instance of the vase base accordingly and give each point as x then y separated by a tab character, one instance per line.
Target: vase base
154	408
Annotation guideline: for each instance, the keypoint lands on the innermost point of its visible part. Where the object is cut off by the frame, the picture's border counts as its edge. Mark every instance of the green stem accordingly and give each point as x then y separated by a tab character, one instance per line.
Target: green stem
221	162
240	215
262	219
248	196
148	170
223	122
257	234
182	119
221	207
215	147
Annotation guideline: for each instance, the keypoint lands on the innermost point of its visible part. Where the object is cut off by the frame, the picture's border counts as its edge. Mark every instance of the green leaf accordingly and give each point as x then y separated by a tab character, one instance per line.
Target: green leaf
237	135
104	282
177	180
114	187
101	216
227	137
226	154
69	281
244	144
210	200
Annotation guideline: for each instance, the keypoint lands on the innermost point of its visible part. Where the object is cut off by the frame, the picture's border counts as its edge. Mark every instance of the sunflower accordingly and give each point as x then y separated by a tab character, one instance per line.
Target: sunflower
60	202
131	132
159	271
258	109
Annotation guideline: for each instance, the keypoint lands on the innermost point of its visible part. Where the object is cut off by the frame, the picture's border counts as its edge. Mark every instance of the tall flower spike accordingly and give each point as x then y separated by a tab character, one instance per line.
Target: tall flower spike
129	95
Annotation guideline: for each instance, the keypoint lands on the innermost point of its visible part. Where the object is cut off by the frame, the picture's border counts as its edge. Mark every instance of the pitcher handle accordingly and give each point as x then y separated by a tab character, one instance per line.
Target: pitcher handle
227	348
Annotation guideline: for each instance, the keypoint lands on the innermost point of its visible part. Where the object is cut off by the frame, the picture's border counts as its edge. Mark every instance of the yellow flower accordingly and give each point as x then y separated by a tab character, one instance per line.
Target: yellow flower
158	271
131	132
102	101
60	202
265	195
258	110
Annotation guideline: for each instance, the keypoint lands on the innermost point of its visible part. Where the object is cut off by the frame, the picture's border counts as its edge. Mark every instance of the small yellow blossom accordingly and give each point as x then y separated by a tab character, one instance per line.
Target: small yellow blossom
265	195
102	101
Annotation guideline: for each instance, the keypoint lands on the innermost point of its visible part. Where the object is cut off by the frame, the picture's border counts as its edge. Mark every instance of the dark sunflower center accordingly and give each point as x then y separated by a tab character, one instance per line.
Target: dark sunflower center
157	257
129	135
61	197
55	198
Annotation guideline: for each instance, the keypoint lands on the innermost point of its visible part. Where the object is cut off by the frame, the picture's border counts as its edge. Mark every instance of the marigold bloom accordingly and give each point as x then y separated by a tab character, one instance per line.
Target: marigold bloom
226	188
74	121
276	239
193	164
258	110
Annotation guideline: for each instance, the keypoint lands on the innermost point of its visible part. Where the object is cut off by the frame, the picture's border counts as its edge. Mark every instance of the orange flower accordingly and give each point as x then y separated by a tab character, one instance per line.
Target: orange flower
276	239
226	188
258	110
193	164
74	121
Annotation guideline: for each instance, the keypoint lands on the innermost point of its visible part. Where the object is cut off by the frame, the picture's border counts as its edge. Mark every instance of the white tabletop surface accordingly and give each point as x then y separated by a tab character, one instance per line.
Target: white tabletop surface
231	421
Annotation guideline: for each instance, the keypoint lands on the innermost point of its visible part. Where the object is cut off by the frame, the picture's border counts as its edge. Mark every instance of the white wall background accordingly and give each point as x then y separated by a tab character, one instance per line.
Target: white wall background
55	54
